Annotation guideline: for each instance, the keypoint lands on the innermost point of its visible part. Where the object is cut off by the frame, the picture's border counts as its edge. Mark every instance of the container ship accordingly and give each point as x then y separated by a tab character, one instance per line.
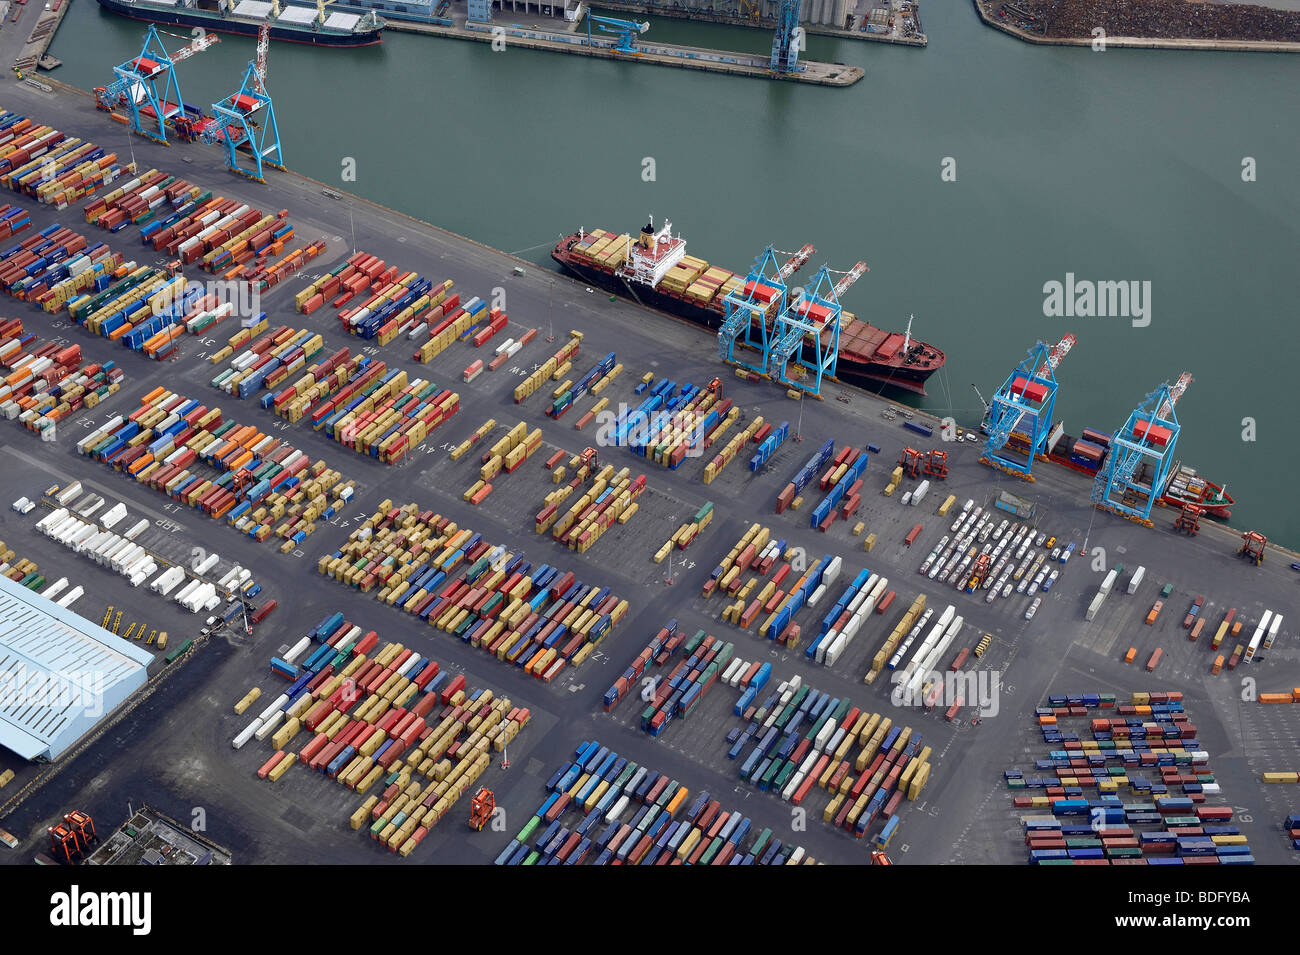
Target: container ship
1087	454
654	270
293	24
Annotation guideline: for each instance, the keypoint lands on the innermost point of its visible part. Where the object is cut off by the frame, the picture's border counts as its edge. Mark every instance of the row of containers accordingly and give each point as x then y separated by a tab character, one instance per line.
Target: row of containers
1167	821
541	619
732	449
183	220
670	425
381	714
187	222
26	573
593	381
144	307
43	162
408	304
787	593
73	527
794	737
648	818
612	497
676	695
43	384
358	401
196	456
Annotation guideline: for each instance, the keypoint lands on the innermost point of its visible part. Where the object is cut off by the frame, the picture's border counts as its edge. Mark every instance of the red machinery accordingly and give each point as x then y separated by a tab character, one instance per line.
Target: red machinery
71	839
1189	521
1252	547
481	809
910	462
936	464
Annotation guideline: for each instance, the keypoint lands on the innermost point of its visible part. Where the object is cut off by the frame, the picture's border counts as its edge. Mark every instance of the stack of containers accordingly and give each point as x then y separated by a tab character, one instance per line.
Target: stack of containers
1151	734
383	714
843	481
260	479
45	385
541	621
687	532
603	787
805	474
610	498
659	650
842	622
567	352
570	392
678	693
728	453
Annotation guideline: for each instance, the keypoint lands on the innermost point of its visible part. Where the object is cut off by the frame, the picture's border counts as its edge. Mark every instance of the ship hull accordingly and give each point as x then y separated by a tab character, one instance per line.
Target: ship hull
849	370
218	24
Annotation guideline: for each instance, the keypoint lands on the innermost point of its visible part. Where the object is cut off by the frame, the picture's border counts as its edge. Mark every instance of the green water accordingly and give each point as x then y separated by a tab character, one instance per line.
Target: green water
1119	165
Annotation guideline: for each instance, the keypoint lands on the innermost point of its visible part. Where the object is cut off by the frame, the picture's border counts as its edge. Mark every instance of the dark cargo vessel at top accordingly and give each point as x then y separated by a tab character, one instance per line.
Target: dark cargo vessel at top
653	269
294	24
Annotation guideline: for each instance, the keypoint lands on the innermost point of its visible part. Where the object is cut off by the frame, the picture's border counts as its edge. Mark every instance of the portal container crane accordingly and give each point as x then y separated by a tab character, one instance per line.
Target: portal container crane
1148	437
148	86
246	119
1020	415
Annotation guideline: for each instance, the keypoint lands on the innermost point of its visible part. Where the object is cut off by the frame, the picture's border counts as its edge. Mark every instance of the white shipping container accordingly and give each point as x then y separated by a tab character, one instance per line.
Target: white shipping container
919	494
246	734
1136	579
207	563
816	595
54	589
268	726
138	528
71	597
1094	606
1108	582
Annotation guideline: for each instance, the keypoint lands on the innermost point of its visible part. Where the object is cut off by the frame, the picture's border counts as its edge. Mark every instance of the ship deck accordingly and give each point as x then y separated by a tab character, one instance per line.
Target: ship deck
174	750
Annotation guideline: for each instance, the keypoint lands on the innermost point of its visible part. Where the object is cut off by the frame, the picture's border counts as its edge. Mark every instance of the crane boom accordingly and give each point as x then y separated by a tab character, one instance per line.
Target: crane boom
1175	392
198	46
849	277
1059	351
796	261
263	47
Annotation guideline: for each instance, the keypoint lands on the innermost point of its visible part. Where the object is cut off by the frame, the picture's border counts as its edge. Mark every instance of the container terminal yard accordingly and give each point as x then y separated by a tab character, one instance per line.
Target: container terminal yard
705	635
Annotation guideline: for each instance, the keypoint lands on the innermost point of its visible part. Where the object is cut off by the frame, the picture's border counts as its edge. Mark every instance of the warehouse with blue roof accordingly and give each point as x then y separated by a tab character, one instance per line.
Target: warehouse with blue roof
60	674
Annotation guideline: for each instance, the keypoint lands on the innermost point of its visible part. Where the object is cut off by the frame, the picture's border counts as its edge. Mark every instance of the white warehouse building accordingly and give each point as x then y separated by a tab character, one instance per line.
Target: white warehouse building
60	674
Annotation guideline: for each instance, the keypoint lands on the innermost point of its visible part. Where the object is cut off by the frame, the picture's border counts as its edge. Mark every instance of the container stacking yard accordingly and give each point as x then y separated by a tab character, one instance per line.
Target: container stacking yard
742	636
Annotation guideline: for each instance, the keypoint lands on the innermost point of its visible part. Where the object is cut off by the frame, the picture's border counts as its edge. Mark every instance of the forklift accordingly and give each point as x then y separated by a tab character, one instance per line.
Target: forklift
481	808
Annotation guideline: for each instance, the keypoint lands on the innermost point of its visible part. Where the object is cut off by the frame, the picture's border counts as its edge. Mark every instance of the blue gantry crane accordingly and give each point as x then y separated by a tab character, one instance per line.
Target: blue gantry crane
785	41
746	308
246	119
813	318
625	30
1137	464
1020	415
148	86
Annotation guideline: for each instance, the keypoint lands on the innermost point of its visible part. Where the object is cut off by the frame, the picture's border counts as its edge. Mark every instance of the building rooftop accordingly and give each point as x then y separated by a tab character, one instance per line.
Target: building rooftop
59	673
